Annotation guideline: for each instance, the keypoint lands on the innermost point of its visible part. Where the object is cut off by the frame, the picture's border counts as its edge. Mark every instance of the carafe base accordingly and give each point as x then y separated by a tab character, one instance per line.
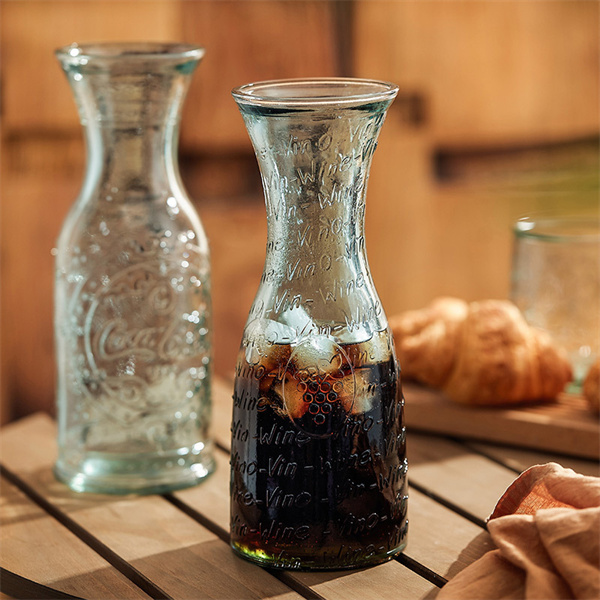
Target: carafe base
106	473
284	561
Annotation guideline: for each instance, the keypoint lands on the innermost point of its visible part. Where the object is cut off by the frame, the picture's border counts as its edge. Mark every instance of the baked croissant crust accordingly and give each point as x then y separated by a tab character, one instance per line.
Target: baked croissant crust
591	387
479	352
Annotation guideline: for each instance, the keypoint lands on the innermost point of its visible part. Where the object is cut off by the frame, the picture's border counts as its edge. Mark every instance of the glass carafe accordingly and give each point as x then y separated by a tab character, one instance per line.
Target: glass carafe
318	466
132	291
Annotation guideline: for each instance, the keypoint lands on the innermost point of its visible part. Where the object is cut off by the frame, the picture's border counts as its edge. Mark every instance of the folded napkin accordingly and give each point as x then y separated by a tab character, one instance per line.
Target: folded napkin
546	528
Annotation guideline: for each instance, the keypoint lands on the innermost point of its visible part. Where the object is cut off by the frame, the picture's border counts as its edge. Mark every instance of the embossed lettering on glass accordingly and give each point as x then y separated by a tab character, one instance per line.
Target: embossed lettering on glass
318	467
132	291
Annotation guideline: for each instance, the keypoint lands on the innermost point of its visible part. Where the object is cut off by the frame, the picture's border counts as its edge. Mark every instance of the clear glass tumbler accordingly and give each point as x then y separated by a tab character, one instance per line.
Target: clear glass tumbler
556	282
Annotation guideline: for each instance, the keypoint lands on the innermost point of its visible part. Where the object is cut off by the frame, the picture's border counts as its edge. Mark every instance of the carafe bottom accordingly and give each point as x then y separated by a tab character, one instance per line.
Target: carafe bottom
315	563
147	473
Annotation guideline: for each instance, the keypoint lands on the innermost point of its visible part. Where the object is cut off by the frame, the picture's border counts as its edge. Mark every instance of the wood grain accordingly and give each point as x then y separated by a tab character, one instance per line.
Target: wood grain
38	548
564	426
388	580
246	42
38	98
494	73
34	202
470	482
237	239
519	459
149	534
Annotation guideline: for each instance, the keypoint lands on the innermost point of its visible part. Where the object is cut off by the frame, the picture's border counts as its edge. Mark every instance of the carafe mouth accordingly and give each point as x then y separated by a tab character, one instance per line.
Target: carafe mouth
170	52
129	85
315	92
559	228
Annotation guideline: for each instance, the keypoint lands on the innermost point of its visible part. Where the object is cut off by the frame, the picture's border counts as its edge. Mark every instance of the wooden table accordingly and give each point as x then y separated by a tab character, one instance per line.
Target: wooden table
58	544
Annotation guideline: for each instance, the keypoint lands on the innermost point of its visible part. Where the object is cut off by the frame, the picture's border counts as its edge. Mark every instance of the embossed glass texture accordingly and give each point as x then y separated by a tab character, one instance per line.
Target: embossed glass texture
318	466
132	288
556	283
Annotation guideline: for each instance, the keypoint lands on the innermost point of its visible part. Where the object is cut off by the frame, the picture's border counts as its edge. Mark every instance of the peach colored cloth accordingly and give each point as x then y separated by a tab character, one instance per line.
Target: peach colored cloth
546	528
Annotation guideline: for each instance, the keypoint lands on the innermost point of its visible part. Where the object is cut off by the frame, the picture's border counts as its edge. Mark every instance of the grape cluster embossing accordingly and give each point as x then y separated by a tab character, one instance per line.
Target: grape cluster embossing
320	388
320	397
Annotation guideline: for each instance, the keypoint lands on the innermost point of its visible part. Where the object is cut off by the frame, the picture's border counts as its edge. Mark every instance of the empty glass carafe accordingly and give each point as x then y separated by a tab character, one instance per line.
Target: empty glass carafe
132	293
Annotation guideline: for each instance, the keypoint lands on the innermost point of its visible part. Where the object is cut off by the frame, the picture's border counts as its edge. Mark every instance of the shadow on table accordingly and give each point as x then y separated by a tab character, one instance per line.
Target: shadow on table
479	546
42	487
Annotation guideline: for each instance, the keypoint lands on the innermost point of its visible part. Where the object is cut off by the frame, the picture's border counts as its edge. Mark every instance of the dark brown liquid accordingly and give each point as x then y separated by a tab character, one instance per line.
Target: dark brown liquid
318	468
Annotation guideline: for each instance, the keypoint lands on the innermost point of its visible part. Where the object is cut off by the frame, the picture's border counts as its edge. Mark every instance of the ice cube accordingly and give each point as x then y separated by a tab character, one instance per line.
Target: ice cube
364	391
298	320
296	400
318	354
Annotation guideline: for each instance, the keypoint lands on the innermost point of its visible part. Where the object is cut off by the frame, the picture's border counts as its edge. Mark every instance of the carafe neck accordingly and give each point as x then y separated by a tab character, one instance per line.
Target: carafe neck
314	141
129	99
314	166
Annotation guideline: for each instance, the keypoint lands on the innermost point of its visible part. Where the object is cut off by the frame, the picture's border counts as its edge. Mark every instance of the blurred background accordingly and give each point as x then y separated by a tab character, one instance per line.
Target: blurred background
498	116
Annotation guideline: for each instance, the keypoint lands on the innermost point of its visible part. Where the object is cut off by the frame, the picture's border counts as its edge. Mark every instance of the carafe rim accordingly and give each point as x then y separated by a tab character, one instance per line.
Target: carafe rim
315	92
130	51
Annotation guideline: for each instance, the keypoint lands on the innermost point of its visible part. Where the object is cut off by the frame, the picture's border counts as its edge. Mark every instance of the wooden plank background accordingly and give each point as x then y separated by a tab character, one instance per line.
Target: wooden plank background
476	78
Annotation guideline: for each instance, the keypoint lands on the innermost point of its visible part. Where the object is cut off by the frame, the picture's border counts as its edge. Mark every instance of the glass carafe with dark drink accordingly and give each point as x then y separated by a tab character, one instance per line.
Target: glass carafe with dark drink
318	466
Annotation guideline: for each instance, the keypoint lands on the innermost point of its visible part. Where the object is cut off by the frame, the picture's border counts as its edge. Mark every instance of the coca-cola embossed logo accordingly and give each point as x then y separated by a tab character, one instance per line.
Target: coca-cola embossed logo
144	336
136	315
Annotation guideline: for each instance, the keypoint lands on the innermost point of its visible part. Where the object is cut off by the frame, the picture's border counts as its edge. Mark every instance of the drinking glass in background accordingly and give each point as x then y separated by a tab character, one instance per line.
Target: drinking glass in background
556	283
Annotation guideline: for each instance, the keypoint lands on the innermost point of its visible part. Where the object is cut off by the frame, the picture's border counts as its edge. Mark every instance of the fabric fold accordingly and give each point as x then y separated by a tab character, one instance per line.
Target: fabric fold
546	528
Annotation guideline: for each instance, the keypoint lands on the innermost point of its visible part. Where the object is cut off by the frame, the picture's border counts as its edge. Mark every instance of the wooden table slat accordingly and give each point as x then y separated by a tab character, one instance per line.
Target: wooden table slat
565	425
150	534
519	459
470	481
38	548
388	580
461	543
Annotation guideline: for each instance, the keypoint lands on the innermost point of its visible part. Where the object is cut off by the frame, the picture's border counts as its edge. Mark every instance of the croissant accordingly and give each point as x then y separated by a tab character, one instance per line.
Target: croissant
591	387
479	352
